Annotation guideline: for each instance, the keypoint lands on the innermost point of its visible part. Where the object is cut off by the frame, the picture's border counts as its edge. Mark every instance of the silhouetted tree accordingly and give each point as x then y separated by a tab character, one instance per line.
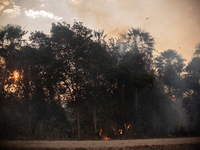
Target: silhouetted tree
169	66
192	90
10	43
139	41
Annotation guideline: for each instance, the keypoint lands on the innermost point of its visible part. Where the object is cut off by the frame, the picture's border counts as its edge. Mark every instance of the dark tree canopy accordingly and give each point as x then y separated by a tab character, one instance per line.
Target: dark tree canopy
73	84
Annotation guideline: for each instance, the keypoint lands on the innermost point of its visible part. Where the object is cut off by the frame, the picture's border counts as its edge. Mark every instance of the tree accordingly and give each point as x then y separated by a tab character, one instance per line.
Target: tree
132	57
133	77
192	89
38	90
136	49
169	66
98	66
10	42
72	46
139	41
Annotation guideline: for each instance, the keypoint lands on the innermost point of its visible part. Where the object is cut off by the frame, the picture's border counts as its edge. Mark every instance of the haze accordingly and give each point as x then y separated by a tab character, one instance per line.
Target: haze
175	24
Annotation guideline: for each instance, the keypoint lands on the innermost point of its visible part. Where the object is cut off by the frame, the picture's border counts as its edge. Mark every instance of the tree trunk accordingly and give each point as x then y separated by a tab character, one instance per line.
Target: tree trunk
95	119
3	79
26	83
122	93
136	117
78	122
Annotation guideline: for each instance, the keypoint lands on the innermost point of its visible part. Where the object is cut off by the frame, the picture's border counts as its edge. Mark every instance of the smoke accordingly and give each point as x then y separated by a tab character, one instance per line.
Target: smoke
174	24
101	15
175	114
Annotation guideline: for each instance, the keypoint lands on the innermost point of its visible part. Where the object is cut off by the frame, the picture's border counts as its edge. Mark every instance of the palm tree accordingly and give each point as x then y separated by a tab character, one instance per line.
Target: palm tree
139	41
10	43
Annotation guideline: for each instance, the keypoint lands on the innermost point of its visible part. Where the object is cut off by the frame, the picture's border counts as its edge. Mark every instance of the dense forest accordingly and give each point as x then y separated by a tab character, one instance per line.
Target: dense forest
74	84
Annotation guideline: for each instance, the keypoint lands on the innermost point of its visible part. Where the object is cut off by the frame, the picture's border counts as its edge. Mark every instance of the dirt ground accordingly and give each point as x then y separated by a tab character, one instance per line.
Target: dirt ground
139	144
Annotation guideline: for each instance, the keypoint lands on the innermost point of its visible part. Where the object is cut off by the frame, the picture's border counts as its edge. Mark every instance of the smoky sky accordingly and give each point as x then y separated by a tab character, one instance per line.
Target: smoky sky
175	24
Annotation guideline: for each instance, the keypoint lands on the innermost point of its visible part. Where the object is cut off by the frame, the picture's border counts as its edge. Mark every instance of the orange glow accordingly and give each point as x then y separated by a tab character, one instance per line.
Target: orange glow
127	127
100	132
16	74
120	131
169	134
106	138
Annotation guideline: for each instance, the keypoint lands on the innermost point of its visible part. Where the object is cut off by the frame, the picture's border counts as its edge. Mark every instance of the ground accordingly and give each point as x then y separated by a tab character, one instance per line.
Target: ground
192	143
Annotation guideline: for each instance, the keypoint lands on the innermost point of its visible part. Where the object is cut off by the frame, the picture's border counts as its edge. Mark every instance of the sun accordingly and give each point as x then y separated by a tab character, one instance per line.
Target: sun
16	74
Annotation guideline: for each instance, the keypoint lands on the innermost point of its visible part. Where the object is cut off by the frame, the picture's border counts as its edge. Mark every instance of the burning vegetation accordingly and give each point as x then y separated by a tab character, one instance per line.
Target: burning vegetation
106	138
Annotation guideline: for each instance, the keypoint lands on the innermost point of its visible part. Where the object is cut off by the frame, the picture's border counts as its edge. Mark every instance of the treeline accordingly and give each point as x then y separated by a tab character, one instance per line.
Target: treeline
73	84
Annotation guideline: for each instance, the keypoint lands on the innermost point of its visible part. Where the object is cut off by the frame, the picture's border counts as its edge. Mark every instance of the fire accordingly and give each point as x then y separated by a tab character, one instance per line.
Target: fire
106	138
120	131
100	132
16	74
127	127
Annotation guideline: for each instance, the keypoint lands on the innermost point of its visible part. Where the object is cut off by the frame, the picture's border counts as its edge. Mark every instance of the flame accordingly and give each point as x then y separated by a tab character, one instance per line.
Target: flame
100	132
120	131
16	74
106	138
127	127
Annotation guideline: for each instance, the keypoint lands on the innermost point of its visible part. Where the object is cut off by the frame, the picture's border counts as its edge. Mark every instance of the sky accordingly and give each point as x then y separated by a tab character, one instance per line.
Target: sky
175	24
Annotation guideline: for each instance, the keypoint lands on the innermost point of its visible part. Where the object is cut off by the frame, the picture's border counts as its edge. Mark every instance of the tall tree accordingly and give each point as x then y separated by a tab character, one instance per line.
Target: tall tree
192	89
169	66
72	43
137	40
10	42
132	76
98	66
134	57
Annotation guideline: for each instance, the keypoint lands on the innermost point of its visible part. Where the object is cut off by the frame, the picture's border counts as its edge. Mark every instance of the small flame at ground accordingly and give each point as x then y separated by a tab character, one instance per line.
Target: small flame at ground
127	127
120	131
106	138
